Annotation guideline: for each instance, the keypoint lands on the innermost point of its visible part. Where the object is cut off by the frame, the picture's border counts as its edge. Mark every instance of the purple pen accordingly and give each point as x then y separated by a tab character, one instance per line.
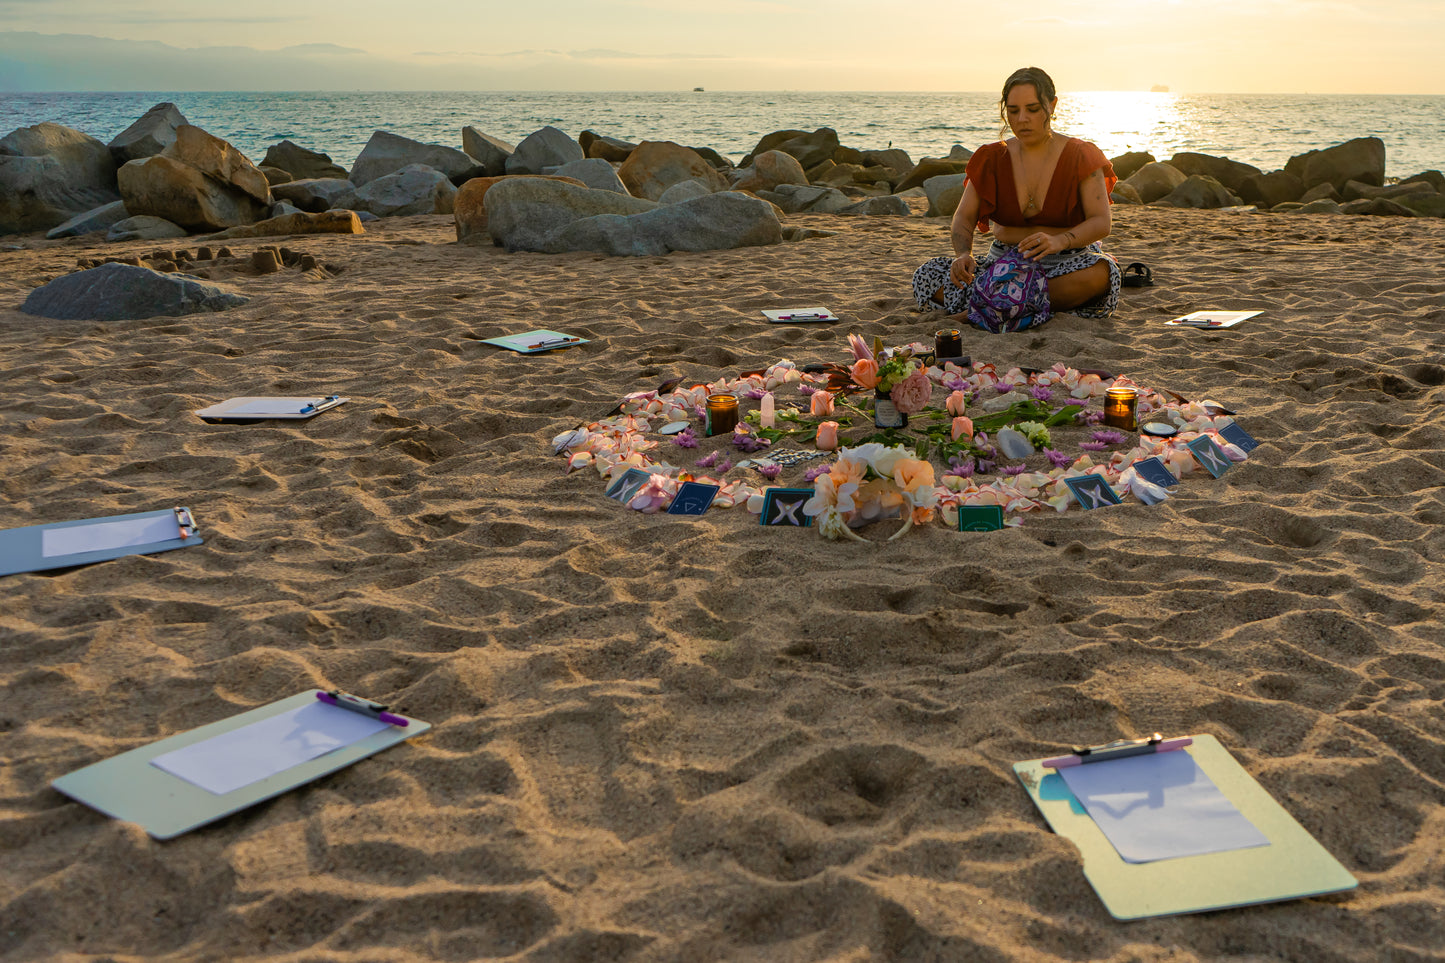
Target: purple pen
1117	750
365	707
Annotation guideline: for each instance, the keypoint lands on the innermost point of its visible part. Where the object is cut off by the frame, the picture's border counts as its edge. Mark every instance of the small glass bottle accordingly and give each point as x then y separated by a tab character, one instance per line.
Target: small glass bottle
886	414
1121	408
947	343
722	413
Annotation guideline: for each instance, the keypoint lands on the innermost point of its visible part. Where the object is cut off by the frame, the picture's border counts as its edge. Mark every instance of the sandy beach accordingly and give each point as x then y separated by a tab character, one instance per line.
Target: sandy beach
690	739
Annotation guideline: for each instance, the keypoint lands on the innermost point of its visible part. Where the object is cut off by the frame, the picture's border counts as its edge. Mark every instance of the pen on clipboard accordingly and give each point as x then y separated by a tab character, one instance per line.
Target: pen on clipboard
185	522
1197	324
1117	750
554	343
314	405
825	316
365	707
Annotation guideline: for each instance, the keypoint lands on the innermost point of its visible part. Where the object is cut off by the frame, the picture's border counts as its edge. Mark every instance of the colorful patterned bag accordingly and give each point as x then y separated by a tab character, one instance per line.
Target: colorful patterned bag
1009	294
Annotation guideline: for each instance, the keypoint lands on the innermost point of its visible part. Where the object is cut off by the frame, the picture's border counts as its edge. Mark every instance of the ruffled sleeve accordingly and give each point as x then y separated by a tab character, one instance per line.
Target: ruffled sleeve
1092	159
982	173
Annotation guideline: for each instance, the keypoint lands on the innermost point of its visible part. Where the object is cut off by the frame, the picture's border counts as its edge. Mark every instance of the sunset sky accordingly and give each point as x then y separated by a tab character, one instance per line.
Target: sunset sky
1258	46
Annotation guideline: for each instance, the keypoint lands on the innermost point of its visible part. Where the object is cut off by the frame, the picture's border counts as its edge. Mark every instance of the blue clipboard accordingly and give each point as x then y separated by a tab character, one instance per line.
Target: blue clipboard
37	548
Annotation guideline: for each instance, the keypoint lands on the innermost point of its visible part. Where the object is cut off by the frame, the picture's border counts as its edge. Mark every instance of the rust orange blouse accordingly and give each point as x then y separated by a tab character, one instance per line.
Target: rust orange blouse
992	175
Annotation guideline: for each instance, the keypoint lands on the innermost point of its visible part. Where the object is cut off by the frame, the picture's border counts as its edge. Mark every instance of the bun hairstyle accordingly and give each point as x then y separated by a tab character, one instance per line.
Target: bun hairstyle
1042	83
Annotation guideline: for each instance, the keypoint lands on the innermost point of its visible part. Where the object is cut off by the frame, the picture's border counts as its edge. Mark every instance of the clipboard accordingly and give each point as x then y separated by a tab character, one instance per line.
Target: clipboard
1292	866
37	548
798	315
265	408
130	788
531	342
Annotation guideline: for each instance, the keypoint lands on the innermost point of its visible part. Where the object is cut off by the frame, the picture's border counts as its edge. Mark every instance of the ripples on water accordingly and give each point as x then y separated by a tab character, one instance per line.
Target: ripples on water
1260	129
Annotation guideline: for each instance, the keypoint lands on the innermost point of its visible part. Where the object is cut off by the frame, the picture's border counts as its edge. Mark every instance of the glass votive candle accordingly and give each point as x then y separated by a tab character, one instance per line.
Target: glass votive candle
722	413
947	343
1121	408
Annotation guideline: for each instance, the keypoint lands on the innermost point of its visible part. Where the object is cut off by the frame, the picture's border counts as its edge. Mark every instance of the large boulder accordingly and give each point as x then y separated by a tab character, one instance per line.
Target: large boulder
929	167
1433	177
144	227
718	161
148	136
809	149
806	199
386	153
944	194
1154	181
1232	174
1354	190
302	164
164	187
1320	192
768	170
1124	194
683	191
316	194
489	152
656	165
542	150
1127	165
1269	190
1425	205
1198	191
594	172
717	222
896	159
523	213
219	161
1379	206
469	208
49	174
609	149
299	222
415	189
890	205
1361	159
125	292
91	222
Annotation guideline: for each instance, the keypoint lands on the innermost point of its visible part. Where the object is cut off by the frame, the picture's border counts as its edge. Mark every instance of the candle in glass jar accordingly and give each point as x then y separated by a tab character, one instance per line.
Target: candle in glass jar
1121	407
947	343
722	413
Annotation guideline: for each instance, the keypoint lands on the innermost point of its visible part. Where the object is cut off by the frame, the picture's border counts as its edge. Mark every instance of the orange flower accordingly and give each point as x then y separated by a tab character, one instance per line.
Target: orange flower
847	470
827	435
955	403
962	427
865	373
821	404
910	474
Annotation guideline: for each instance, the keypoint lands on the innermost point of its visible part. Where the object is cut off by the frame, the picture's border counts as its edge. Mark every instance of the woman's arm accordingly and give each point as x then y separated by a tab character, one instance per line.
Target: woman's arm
965	220
1095	226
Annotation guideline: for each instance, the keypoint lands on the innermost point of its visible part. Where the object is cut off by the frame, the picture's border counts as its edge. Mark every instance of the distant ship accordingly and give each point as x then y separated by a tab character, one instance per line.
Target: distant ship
697	90
1159	89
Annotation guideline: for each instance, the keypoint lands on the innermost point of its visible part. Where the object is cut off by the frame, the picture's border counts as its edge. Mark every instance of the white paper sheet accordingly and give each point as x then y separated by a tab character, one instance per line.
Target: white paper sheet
102	536
243	756
272	406
1212	319
1160	806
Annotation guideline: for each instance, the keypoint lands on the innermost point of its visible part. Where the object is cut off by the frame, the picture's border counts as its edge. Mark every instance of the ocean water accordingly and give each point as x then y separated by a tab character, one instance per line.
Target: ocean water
1260	129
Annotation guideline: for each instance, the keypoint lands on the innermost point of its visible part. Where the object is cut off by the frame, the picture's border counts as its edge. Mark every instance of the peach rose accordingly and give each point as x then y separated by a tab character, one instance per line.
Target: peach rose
955	404
827	435
910	474
847	470
962	427
911	395
821	404
865	373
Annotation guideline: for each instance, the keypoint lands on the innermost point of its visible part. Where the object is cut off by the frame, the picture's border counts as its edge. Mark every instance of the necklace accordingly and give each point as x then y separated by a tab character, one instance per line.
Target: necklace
1032	206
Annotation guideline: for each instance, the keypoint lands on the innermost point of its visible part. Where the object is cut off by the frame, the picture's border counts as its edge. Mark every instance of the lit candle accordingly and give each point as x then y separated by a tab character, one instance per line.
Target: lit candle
1121	408
722	414
767	416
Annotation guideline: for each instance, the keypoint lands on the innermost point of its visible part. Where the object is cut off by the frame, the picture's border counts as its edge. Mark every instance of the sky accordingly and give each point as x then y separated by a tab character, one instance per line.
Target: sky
1223	46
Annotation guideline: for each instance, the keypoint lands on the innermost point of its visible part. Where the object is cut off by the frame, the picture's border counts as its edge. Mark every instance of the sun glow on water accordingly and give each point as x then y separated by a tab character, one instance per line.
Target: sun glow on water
1120	121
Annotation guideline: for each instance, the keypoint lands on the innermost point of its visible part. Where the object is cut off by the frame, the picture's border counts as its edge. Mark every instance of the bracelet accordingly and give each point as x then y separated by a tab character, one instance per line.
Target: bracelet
1070	236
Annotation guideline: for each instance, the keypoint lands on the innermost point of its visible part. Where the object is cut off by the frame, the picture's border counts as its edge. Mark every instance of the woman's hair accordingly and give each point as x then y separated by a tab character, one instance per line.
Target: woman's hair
1042	83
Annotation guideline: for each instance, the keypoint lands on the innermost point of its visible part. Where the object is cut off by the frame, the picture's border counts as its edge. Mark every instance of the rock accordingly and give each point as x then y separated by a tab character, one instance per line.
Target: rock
1320	205
594	172
1013	444
1198	191
959	153
926	168
91	222
844	155
718	161
49	174
415	189
657	165
1378	206
817	172
386	153
683	191
302	164
523	213
489	152
768	170
162	186
1154	181
281	209
275	175
1232	174
470	209
888	205
944	192
1268	190
1425	205
1127	165
124	292
836	175
609	149
808	149
219	161
1124	194
1434	178
1354	190
1361	159
806	199
144	227
148	136
721	221
545	148
299	222
1321	192
316	194
894	158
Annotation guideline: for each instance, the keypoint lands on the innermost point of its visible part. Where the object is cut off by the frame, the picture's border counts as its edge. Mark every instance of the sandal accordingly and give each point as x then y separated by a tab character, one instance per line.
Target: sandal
1136	275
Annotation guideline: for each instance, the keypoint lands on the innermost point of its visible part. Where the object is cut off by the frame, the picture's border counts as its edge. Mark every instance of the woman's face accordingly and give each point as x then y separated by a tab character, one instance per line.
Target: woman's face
1028	115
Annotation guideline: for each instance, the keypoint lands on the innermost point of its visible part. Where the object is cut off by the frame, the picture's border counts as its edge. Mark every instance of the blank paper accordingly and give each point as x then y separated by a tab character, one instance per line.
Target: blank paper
1160	806
243	756
272	406
104	536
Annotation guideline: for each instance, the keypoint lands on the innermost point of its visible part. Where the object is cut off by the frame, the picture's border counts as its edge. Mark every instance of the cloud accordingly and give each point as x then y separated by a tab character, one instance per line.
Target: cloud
325	49
579	56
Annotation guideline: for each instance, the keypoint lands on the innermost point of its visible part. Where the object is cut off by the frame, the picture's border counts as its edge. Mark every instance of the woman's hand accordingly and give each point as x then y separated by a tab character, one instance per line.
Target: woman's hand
1041	243
962	271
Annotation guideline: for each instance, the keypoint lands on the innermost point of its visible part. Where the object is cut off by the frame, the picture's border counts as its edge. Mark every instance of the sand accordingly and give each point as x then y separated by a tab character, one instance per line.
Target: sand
700	739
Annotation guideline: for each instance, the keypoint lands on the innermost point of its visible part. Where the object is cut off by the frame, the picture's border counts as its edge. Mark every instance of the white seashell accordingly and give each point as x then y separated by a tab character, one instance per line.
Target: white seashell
569	439
674	427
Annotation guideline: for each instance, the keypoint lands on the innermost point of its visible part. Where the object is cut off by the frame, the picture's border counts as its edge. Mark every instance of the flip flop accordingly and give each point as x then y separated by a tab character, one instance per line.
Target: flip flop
1136	275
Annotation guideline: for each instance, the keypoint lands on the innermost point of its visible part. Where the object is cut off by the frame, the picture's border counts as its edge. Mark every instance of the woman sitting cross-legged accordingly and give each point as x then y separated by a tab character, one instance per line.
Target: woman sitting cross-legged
1040	194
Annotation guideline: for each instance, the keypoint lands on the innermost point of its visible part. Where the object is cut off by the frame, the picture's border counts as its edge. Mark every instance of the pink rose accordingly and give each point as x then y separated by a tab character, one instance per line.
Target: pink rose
955	403
827	435
865	373
962	428
911	395
822	404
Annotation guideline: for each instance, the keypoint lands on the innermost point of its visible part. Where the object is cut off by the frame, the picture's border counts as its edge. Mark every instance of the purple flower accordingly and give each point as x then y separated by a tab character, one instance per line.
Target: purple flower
724	465
812	473
807	389
1093	445
1110	437
754	393
771	472
1003	387
985	466
1013	470
1057	458
1042	393
746	441
1092	417
960	466
707	461
685	439
953	381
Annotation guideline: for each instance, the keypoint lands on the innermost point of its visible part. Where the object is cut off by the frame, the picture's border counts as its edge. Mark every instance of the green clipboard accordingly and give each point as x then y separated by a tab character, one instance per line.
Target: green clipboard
1292	866
128	787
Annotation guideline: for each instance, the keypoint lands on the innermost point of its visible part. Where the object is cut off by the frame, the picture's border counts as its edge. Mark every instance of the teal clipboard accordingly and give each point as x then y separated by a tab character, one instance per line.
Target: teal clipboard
23	549
1292	866
129	788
